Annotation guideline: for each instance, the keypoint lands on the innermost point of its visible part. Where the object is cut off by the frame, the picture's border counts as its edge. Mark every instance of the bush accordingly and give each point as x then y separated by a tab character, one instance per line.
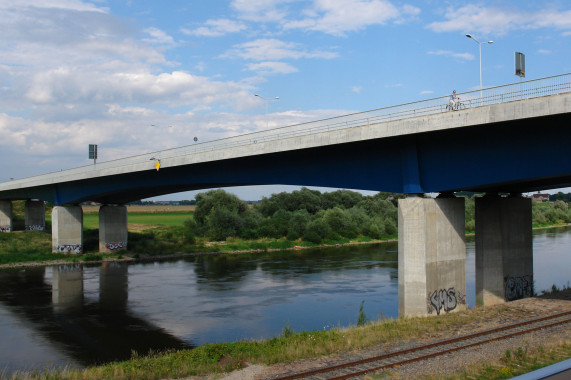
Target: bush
223	223
374	230
251	220
390	227
190	231
206	202
298	222
340	222
317	230
292	235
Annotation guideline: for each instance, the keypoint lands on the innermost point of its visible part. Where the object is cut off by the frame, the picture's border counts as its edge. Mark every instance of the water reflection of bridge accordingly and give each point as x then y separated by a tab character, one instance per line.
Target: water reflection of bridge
85	331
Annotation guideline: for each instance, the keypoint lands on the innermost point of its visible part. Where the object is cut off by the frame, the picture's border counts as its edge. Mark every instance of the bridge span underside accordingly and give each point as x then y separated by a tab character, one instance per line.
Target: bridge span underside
516	156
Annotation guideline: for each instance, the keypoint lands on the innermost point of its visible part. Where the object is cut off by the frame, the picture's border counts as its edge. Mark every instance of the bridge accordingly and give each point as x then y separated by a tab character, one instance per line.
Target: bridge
502	140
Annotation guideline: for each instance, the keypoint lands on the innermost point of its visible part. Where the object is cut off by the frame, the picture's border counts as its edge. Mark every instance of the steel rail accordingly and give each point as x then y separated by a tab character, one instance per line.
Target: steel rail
429	346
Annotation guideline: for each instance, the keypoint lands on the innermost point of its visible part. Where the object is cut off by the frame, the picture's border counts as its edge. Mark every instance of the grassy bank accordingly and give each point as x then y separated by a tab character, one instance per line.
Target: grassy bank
212	359
153	233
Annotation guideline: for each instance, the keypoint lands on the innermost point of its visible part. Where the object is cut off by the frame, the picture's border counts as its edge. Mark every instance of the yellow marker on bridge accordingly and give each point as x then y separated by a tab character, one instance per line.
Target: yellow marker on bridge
158	165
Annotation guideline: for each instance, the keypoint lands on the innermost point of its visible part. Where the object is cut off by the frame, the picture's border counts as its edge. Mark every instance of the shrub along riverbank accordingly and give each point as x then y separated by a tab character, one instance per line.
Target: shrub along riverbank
223	222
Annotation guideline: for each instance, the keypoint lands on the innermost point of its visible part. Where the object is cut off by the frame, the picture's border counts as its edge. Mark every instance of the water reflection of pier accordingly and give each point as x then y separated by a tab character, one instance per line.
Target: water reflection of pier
85	331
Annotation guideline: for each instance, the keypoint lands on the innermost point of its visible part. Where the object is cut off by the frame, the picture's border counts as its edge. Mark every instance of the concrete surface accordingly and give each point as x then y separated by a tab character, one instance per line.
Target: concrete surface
431	256
67	229
504	249
35	215
112	228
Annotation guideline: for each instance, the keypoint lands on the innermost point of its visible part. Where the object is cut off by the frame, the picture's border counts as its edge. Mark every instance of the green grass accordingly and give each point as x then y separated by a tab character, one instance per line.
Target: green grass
292	346
91	221
35	246
522	360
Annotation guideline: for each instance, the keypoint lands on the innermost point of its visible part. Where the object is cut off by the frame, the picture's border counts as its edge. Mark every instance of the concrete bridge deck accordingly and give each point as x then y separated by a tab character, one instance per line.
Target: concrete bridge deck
529	105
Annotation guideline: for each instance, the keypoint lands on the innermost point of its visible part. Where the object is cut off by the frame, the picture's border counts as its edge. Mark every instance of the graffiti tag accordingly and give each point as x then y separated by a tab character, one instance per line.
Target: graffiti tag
69	248
116	245
35	227
517	287
446	300
5	228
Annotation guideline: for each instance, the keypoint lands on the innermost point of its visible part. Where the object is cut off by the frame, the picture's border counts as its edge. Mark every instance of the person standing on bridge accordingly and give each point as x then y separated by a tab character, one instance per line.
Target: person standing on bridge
453	98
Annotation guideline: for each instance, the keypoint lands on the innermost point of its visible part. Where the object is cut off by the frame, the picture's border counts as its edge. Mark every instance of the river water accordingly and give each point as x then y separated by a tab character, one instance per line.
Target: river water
80	314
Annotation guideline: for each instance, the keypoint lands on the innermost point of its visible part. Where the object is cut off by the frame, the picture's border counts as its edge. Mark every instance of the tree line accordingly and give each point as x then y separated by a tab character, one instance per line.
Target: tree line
314	216
307	214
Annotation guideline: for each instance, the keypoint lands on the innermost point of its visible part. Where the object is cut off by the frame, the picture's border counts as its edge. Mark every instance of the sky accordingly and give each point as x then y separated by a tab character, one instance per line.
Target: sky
139	76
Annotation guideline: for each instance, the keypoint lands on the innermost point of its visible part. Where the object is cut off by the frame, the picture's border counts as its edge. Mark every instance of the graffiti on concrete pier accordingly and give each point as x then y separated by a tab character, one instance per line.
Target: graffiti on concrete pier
116	245
69	248
518	287
446	300
35	227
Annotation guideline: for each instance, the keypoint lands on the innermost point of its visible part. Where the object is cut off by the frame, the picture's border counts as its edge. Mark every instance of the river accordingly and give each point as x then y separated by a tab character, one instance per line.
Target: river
79	315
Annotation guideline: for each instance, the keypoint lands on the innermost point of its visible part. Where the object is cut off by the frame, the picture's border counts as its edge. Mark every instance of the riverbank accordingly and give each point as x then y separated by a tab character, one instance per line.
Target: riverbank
503	359
97	258
246	266
295	352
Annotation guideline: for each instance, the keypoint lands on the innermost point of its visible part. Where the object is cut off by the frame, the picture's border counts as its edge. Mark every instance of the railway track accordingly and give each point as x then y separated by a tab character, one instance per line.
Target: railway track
354	369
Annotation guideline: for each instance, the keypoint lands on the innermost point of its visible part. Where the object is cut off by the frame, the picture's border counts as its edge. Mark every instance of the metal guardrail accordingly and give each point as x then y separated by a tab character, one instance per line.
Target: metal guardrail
493	95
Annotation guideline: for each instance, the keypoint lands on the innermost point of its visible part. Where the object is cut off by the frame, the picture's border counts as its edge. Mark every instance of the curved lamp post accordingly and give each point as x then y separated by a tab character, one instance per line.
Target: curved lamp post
266	101
480	49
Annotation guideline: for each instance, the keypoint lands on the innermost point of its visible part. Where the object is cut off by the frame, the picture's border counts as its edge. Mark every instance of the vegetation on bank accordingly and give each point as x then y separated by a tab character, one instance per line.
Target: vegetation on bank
520	361
212	359
223	222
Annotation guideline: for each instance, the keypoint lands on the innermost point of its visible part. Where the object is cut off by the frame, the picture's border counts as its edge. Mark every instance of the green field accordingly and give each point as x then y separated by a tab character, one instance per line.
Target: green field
91	221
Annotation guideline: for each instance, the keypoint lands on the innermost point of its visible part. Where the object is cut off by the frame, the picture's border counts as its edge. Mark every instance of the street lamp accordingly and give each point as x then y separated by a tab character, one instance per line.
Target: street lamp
480	48
266	101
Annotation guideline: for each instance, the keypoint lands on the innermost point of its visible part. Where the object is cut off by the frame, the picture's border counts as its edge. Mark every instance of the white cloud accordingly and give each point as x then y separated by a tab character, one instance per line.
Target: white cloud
426	92
261	10
76	5
337	17
544	51
274	50
499	21
461	56
356	89
158	37
272	68
216	28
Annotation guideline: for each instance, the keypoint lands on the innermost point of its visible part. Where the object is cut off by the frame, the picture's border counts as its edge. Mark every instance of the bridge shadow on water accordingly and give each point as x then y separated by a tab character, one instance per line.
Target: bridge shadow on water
85	331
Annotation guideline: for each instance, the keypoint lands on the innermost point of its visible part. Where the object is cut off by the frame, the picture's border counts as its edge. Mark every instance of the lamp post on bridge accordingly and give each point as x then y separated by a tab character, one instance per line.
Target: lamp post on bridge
480	50
266	100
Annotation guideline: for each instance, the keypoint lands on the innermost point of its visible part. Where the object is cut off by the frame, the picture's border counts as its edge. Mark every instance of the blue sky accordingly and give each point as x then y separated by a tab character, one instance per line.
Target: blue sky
140	76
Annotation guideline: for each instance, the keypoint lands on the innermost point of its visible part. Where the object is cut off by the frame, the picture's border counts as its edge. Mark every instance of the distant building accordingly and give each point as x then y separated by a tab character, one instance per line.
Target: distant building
540	197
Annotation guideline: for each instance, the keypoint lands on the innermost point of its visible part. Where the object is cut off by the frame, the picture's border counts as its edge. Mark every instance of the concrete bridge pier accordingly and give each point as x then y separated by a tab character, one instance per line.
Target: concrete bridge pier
35	212
504	250
431	255
112	228
67	229
5	216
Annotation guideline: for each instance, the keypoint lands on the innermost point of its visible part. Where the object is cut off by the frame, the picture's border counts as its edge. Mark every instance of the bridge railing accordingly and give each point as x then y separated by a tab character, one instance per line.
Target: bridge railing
493	95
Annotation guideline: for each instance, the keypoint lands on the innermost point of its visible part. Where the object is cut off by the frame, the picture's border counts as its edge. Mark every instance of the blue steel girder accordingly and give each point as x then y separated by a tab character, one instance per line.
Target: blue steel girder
517	156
